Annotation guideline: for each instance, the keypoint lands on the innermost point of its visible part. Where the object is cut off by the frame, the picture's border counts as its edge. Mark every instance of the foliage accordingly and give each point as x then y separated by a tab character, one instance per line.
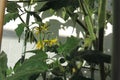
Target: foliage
74	52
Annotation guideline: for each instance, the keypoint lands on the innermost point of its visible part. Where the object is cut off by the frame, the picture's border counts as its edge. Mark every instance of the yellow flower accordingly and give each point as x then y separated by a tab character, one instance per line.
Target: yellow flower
50	42
53	42
40	45
37	30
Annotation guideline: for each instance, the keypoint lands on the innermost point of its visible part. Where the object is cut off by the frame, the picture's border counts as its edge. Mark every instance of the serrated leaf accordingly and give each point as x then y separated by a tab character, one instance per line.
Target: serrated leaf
31	66
19	30
10	16
12	7
71	43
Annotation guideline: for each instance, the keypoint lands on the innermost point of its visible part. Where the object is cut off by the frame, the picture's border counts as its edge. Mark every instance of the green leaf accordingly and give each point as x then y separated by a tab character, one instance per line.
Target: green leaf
2	76
3	65
10	16
12	7
31	66
38	52
20	29
70	45
17	64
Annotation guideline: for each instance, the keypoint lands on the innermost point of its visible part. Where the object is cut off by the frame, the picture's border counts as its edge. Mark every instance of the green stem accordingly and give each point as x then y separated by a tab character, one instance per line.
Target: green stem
101	24
25	39
88	20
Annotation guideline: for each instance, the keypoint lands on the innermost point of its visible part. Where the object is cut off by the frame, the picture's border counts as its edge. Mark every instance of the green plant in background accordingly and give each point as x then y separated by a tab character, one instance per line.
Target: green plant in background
74	51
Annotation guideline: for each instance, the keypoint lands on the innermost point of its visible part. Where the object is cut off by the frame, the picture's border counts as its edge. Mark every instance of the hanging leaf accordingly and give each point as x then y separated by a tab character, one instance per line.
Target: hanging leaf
10	16
70	44
36	16
20	29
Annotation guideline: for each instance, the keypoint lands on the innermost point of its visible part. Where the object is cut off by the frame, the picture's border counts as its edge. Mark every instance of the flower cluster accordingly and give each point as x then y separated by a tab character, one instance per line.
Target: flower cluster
43	43
40	29
42	35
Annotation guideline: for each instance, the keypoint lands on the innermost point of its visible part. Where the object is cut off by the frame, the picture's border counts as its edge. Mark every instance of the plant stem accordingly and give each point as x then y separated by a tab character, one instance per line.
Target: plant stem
25	39
87	18
101	24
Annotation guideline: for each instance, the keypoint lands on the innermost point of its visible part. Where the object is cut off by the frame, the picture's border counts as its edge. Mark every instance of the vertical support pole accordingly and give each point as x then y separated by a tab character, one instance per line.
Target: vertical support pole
2	11
116	41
